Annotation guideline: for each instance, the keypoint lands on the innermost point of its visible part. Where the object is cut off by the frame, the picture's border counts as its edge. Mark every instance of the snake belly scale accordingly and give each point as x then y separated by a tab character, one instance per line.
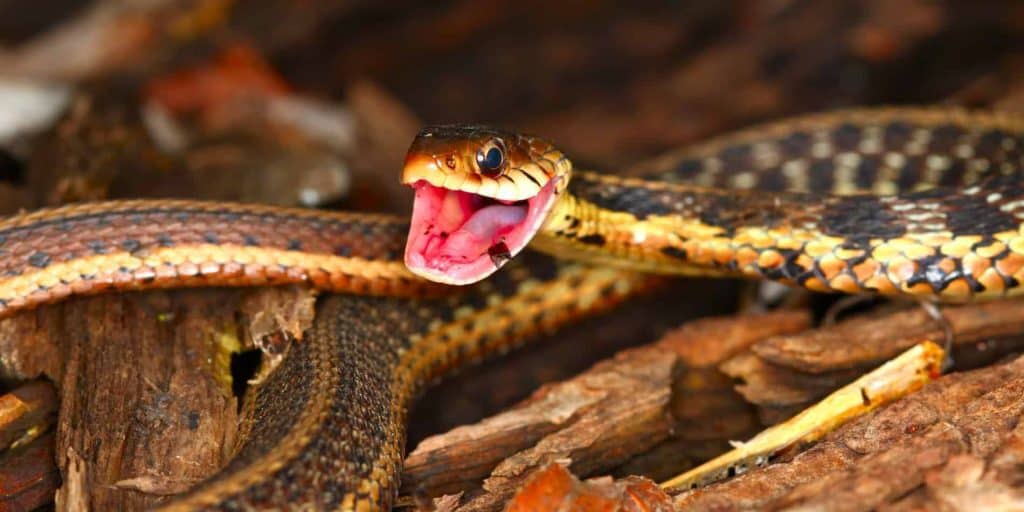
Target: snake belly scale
918	202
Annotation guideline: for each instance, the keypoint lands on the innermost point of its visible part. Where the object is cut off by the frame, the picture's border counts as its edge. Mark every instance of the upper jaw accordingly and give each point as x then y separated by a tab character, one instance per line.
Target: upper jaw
522	183
537	207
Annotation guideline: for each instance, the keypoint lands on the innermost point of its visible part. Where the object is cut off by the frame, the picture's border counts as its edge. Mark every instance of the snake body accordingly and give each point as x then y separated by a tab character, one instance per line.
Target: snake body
92	247
893	201
919	202
326	429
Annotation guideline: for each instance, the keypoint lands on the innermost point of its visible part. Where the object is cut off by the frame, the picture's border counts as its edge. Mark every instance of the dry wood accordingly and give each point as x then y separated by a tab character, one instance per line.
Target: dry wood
146	404
954	444
28	477
901	455
786	373
594	421
26	412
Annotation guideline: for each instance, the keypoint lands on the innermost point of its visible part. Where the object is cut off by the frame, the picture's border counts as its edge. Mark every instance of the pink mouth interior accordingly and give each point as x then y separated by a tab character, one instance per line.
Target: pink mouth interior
459	237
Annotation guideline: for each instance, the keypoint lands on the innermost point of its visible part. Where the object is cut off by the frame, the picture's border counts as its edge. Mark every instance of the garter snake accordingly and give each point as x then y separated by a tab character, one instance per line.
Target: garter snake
893	201
898	201
326	429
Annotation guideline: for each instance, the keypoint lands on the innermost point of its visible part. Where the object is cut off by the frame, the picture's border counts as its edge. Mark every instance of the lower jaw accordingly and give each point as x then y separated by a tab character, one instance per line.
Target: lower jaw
538	215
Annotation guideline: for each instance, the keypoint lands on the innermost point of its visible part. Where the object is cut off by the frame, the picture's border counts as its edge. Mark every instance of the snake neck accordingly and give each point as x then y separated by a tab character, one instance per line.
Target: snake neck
952	245
624	235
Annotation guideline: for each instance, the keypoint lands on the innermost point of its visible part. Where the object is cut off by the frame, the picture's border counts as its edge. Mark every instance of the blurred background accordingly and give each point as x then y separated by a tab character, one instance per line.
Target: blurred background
314	102
328	93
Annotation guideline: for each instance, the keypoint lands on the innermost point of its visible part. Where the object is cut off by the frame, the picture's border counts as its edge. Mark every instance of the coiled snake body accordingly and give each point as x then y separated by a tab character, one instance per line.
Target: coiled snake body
917	202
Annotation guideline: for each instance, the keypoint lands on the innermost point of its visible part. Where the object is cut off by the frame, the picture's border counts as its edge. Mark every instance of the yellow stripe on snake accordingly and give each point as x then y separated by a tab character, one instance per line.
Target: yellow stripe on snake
919	202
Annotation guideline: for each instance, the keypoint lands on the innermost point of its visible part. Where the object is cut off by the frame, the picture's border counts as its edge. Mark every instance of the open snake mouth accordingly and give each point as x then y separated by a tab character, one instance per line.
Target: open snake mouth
459	237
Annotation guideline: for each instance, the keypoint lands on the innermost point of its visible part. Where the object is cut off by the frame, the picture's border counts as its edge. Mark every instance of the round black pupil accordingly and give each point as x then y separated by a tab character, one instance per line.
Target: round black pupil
491	160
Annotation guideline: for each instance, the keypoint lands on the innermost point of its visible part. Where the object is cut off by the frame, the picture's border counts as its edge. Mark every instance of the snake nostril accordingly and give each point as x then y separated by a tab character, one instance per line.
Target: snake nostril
450	162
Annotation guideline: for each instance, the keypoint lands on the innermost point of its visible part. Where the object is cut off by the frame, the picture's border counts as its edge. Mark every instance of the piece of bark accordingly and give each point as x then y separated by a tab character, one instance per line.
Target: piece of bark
147	407
598	419
477	392
872	338
28	476
886	455
786	373
28	410
708	412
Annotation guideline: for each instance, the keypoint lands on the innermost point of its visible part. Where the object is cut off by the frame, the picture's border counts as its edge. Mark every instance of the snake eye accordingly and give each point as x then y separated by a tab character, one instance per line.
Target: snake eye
491	158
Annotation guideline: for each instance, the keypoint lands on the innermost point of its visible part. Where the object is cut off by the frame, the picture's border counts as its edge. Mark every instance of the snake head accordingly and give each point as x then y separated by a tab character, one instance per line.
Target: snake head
481	196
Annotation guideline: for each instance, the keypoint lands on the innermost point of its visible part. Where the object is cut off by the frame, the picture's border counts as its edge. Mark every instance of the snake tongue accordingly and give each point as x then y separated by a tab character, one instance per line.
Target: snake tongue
458	237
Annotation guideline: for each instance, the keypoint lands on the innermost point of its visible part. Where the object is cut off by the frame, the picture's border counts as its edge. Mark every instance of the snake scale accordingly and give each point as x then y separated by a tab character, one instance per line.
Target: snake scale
893	201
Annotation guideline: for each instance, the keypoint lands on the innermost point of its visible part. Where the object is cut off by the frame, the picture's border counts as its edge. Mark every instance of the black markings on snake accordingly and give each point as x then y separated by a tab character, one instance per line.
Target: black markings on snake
790	269
594	239
736	159
910	173
638	201
131	244
685	170
973	283
674	252
930	273
795	145
819	175
974	215
771	180
954	174
896	135
39	259
860	218
97	246
944	138
867	171
846	137
531	178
